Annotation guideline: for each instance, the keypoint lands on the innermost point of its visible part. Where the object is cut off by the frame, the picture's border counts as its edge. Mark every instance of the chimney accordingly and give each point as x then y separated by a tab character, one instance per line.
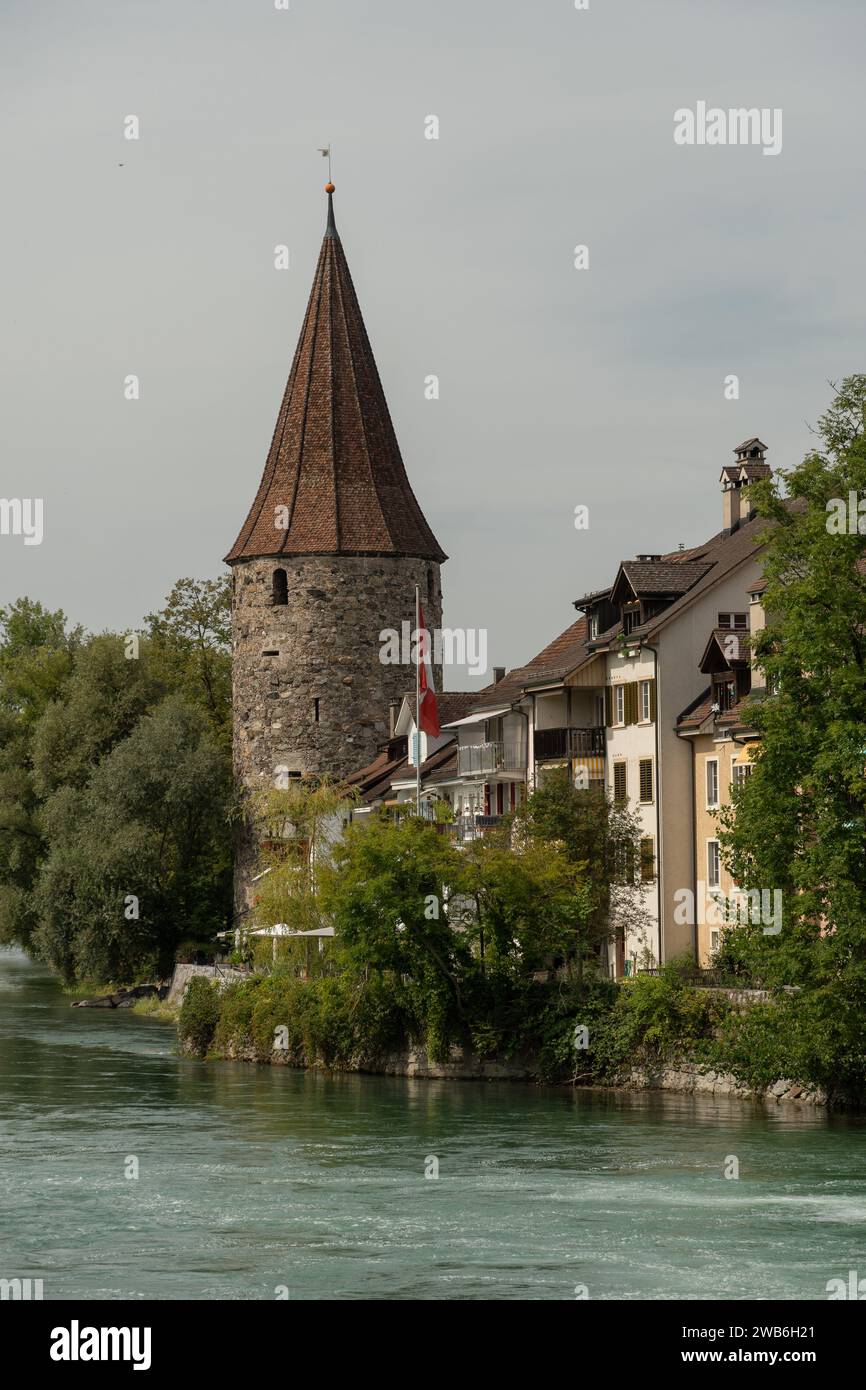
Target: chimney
731	500
393	710
498	674
750	465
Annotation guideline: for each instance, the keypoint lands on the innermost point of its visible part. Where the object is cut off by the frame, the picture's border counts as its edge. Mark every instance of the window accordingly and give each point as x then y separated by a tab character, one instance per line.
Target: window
646	701
630	619
620	792
647	860
726	695
599	711
738	621
593	626
619	704
713	864
270	651
740	774
646	779
316	709
282	777
712	782
280	590
714	941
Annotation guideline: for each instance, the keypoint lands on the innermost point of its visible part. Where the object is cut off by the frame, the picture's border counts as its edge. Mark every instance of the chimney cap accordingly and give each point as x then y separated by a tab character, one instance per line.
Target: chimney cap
751	448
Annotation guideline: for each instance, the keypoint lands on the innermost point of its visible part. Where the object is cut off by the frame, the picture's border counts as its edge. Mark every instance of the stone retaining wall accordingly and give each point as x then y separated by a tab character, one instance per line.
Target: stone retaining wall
695	1080
182	975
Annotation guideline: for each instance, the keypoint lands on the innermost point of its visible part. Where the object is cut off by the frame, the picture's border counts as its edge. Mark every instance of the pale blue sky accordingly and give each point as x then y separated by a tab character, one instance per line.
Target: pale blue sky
558	387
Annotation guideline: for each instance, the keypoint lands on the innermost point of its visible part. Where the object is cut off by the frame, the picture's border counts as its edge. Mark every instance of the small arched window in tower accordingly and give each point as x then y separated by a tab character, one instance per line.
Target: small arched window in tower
281	587
316	709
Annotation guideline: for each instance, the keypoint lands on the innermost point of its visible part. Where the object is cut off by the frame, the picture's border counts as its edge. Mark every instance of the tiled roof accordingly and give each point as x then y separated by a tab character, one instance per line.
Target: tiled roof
556	660
334	462
373	782
648	577
699	710
720	637
454	704
723	553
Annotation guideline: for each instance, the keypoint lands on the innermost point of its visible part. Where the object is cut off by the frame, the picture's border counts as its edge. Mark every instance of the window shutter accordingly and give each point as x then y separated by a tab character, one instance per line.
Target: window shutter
646	779
608	706
619	783
647	861
652	688
630	703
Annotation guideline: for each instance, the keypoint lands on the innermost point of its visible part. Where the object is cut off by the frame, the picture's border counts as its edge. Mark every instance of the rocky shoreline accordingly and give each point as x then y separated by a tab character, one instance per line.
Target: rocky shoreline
122	998
686	1078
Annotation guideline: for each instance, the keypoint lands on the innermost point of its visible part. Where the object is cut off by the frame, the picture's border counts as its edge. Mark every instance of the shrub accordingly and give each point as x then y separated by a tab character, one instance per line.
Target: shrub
199	1014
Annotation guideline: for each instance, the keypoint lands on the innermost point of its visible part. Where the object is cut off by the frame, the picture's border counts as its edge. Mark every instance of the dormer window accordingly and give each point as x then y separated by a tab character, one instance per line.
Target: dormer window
593	626
630	618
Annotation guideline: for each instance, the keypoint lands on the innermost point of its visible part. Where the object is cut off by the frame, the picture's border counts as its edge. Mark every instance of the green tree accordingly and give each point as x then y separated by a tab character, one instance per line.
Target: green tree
386	895
528	908
296	828
191	638
140	857
799	822
598	837
37	652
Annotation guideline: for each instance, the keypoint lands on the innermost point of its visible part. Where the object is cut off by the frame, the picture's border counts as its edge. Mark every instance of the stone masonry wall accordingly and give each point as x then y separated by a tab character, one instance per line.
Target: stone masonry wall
327	640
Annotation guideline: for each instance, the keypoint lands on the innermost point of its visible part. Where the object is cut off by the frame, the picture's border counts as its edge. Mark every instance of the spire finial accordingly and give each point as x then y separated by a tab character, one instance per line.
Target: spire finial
331	228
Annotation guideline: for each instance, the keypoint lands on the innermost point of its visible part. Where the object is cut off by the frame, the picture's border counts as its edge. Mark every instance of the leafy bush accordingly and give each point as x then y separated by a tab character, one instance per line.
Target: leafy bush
333	1021
199	1015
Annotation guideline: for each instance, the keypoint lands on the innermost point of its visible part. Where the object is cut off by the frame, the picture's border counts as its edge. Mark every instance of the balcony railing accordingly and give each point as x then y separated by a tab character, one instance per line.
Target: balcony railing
568	743
465	828
475	759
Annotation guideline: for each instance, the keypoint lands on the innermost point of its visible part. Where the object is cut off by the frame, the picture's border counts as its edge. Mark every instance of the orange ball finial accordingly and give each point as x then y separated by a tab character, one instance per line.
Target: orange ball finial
329	188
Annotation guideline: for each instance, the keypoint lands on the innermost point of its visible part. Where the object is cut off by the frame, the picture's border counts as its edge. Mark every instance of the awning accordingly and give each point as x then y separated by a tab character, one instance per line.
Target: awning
281	929
594	764
477	718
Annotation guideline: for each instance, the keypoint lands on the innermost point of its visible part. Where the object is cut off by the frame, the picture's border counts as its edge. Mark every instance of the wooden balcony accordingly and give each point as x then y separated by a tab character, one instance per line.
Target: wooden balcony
569	743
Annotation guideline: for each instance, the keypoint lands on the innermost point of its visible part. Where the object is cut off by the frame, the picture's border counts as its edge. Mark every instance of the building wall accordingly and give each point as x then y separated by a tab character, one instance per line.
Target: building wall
631	743
328	641
680	646
708	747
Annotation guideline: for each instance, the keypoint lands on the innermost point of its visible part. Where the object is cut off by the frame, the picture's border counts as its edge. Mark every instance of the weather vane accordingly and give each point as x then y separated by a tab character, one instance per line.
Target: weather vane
326	152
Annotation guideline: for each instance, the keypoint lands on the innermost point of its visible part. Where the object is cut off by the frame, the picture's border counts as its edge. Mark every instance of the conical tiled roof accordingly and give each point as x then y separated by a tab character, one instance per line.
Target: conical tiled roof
334	481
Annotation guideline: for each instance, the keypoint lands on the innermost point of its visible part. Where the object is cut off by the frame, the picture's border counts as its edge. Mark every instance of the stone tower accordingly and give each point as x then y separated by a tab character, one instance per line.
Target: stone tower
328	557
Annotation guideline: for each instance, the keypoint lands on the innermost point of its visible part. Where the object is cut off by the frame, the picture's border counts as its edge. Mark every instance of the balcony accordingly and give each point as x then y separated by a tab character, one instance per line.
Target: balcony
487	759
465	828
569	743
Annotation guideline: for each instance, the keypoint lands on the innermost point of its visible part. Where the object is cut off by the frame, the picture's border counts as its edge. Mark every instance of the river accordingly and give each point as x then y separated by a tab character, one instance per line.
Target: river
261	1182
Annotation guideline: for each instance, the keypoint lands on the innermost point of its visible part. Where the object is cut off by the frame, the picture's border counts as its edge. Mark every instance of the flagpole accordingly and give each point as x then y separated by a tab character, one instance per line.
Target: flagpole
417	702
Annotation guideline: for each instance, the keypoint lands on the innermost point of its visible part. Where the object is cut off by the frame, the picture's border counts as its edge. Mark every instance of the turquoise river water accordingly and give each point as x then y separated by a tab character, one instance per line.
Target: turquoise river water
261	1182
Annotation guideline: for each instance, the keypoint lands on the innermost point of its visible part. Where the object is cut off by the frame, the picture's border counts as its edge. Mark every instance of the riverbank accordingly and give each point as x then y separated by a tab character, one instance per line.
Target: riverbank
654	1033
683	1078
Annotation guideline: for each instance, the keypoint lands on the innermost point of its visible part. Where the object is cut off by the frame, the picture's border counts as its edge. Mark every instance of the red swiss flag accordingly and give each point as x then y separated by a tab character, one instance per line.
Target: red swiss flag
428	714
